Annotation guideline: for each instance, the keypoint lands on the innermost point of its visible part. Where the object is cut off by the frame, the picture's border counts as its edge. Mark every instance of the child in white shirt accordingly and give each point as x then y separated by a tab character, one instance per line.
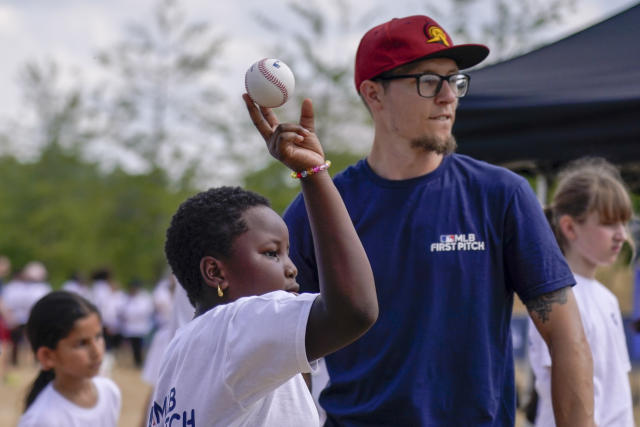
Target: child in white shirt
589	213
65	333
238	363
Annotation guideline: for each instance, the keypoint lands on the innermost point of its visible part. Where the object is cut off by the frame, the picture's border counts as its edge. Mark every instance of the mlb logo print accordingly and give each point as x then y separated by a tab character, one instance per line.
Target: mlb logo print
447	238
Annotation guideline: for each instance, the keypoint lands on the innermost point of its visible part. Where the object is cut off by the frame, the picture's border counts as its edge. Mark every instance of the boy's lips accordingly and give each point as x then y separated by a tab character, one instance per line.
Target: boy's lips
292	287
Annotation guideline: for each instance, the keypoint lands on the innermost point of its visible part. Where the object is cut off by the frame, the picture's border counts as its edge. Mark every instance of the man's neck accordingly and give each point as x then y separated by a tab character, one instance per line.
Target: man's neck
402	162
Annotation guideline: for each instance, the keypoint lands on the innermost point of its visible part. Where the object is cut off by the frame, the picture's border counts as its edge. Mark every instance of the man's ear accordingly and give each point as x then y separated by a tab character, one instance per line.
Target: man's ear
212	272
567	227
372	93
46	357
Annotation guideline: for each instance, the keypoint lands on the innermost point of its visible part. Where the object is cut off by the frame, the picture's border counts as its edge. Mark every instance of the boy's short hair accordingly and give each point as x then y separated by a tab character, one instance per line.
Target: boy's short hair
206	225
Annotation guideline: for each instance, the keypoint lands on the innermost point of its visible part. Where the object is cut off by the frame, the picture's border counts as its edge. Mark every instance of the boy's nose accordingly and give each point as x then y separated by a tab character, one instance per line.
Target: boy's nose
291	271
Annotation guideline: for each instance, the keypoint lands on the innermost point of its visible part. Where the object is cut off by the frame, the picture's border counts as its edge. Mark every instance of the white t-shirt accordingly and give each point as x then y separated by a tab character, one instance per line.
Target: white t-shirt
182	312
602	322
239	364
20	296
153	359
136	314
80	289
111	307
51	409
162	300
100	291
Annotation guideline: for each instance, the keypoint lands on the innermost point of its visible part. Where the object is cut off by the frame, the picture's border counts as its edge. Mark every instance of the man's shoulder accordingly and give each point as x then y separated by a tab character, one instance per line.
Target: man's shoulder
482	167
344	181
483	173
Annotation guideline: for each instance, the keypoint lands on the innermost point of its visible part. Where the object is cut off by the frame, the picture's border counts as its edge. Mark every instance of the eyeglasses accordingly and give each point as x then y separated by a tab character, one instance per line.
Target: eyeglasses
429	84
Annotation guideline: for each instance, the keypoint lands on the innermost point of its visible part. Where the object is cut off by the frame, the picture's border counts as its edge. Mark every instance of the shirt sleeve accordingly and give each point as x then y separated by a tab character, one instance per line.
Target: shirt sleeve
269	353
533	261
39	419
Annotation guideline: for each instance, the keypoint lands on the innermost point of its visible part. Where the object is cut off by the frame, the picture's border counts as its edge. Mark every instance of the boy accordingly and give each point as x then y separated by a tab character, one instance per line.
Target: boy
239	361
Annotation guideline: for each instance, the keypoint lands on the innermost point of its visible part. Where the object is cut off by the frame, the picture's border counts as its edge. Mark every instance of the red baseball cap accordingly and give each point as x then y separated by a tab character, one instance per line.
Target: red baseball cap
404	40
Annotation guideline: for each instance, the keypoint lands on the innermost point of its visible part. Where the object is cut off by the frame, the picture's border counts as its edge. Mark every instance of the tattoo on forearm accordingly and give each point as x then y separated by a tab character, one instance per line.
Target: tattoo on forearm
542	305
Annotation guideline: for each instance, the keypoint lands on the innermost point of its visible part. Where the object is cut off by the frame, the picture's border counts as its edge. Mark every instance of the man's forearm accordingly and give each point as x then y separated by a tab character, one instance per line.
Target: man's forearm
572	383
557	318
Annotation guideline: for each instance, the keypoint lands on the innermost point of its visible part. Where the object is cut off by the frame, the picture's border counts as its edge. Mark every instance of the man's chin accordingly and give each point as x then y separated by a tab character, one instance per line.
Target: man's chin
439	145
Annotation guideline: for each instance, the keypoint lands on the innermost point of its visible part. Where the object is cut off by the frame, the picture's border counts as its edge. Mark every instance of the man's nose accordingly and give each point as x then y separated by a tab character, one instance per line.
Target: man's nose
446	94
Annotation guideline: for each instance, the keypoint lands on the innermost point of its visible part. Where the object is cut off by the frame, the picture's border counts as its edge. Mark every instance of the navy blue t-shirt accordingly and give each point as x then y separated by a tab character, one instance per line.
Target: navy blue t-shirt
448	250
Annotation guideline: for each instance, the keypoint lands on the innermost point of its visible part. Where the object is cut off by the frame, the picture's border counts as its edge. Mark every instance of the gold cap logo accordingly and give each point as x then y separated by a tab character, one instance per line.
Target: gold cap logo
437	35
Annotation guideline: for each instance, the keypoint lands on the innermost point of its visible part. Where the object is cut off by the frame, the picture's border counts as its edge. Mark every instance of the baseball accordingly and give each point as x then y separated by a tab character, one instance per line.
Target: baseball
269	82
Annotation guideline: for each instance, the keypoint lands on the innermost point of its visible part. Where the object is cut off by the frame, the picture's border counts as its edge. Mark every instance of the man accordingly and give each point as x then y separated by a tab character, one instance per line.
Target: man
450	239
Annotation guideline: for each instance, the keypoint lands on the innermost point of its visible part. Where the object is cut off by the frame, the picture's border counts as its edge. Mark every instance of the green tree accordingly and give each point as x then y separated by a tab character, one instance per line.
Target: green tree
509	28
63	211
54	114
161	104
324	70
274	180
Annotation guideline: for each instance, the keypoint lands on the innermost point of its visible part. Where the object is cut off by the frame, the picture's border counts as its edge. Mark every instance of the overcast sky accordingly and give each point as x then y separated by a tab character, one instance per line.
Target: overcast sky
71	31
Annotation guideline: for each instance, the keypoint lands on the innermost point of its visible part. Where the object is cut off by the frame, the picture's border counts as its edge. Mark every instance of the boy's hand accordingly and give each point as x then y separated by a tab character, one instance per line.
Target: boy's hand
296	146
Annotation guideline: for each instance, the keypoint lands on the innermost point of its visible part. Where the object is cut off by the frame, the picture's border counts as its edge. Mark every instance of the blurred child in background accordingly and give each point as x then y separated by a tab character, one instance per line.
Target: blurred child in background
77	283
19	295
136	318
65	332
589	214
5	335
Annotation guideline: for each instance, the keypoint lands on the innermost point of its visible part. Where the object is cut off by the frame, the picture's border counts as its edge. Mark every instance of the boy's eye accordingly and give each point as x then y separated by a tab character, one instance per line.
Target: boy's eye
272	254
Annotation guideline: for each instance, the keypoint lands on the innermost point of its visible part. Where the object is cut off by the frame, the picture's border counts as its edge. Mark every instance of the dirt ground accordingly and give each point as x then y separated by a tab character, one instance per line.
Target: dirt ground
134	391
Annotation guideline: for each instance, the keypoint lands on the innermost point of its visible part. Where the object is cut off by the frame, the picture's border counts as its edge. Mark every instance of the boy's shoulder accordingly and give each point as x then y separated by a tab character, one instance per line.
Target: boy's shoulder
249	306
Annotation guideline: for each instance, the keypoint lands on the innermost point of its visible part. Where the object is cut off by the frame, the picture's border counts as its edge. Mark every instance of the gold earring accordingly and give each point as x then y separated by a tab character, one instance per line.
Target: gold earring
220	294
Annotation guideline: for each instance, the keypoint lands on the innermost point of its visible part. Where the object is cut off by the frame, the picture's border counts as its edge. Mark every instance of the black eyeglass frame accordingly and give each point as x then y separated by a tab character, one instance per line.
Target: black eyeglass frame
418	76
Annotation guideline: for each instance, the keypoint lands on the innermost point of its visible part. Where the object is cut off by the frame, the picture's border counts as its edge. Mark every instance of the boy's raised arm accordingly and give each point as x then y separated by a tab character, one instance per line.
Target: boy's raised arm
347	306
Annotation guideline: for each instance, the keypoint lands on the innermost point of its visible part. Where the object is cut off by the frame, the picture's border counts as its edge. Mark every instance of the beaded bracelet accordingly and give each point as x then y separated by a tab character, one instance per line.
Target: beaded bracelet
311	171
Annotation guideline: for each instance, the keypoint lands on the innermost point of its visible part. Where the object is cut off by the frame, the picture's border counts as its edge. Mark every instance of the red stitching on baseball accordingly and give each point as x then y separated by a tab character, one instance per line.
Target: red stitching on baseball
273	79
246	86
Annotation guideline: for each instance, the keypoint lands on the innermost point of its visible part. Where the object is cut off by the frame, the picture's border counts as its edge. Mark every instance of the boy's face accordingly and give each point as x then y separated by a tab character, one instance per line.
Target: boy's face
259	262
